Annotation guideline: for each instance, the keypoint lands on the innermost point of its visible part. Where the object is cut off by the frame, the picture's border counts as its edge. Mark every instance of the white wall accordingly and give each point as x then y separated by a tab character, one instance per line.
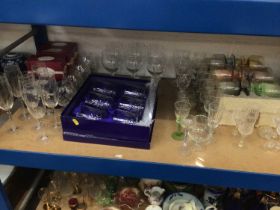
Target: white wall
93	40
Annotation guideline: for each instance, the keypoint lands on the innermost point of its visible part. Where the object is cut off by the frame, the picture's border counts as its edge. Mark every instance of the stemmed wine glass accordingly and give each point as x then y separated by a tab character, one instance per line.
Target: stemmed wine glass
35	105
111	57
245	119
7	99
183	81
50	93
13	74
156	62
182	110
215	114
134	57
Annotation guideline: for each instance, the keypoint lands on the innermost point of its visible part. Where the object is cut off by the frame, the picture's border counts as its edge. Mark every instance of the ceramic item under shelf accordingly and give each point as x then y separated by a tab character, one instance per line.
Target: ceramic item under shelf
181	200
155	195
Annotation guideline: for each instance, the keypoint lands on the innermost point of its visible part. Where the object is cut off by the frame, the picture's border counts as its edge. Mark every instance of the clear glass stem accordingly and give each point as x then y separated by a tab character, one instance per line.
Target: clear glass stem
24	113
55	119
39	125
178	127
241	141
43	136
13	126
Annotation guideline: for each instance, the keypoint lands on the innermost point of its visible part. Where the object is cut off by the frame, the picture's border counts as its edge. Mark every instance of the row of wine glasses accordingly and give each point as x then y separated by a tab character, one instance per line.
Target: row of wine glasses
134	56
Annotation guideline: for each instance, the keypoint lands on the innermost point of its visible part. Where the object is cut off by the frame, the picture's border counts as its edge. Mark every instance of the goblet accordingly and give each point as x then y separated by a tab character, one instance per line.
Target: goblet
35	106
182	110
13	74
7	99
215	113
134	57
245	120
156	62
50	96
111	57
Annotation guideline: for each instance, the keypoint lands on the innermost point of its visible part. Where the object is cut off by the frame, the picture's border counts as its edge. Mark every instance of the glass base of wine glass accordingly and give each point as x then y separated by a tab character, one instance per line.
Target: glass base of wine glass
44	139
179	136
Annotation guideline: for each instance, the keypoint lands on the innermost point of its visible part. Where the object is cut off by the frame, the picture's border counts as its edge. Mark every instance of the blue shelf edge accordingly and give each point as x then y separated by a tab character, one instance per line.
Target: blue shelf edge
120	167
246	17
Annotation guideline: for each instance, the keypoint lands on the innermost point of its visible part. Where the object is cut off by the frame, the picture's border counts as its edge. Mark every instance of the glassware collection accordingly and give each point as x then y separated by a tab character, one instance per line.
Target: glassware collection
69	190
110	104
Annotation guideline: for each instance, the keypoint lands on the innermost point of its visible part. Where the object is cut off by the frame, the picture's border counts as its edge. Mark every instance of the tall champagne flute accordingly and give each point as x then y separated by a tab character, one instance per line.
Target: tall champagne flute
7	99
215	114
13	74
50	93
35	106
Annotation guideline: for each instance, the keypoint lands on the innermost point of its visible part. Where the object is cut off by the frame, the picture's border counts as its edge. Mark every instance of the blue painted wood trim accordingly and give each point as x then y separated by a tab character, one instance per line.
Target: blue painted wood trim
121	167
252	17
4	202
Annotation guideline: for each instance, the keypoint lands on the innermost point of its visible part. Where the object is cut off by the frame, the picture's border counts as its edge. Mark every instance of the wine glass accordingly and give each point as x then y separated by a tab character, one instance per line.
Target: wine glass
13	74
182	110
134	58
183	81
245	119
156	62
111	57
35	106
215	114
50	96
7	99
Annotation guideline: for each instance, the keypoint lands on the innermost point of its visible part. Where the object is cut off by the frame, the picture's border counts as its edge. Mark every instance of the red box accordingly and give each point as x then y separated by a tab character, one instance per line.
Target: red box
68	50
55	64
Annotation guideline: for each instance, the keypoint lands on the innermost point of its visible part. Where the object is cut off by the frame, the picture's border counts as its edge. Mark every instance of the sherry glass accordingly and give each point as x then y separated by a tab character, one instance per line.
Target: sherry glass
35	106
182	110
7	99
215	114
182	62
134	58
13	74
245	120
156	62
111	57
50	93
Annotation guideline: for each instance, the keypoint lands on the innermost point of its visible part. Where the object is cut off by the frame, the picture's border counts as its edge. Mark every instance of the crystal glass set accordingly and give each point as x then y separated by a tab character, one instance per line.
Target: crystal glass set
38	91
134	56
199	94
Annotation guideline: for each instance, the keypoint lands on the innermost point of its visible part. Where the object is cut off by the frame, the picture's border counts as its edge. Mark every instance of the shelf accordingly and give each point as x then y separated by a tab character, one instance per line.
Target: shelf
251	17
221	163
